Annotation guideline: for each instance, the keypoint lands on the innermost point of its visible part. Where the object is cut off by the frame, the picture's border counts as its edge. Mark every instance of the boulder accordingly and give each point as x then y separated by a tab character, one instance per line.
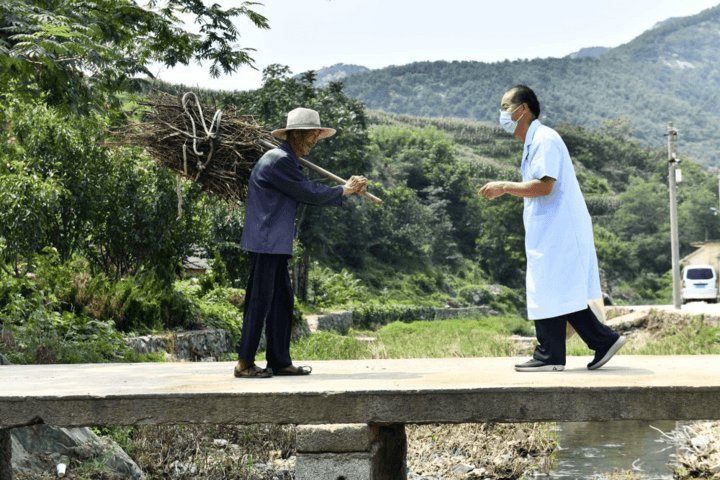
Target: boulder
40	448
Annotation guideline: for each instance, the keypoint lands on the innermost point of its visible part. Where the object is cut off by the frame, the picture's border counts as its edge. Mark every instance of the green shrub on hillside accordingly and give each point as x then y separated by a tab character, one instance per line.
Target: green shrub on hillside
53	337
373	316
499	297
62	314
34	329
219	307
137	303
334	289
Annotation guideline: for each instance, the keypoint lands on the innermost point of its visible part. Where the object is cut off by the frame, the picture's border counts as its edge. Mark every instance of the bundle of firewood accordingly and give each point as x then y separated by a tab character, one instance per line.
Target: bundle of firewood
215	148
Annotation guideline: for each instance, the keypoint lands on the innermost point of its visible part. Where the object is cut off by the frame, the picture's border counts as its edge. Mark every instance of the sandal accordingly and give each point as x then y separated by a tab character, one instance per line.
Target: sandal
253	371
293	370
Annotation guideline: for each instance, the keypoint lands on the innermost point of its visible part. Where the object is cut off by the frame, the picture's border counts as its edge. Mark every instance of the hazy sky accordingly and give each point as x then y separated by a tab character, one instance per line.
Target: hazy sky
311	34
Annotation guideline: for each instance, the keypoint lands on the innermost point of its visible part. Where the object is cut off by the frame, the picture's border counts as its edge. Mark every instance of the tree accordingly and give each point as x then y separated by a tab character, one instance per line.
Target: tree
62	188
697	207
83	53
424	160
501	241
642	219
28	208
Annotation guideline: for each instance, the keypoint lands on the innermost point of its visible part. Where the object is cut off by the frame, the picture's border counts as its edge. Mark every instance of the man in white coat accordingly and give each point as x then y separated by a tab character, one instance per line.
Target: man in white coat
562	268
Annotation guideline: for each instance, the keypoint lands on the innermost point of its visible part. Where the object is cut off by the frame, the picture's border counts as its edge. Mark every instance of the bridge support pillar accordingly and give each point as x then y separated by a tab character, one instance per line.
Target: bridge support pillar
5	454
351	452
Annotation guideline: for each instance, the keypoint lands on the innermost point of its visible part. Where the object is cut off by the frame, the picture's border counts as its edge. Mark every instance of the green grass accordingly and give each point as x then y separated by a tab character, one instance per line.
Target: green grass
330	346
486	337
481	337
693	339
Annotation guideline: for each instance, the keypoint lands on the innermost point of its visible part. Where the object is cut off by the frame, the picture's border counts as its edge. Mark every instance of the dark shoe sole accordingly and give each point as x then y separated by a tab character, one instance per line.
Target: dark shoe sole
610	353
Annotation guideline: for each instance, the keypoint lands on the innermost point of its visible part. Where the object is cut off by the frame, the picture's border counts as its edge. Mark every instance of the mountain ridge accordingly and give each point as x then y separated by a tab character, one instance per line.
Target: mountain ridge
664	74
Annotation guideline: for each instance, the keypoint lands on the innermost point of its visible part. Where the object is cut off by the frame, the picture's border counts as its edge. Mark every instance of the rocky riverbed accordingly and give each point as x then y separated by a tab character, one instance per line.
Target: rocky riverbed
435	452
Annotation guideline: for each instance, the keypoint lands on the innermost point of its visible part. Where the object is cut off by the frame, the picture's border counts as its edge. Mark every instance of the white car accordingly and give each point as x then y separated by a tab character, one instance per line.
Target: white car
699	282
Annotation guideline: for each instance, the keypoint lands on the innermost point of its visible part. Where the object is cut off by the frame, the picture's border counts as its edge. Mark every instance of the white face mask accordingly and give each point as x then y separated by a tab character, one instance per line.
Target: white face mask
506	121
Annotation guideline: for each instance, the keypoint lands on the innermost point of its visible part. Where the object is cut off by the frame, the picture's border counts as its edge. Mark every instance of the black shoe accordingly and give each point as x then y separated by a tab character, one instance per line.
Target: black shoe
533	365
602	356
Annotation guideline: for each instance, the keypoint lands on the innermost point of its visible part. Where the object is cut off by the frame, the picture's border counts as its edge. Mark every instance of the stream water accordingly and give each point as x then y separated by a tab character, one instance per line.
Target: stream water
589	449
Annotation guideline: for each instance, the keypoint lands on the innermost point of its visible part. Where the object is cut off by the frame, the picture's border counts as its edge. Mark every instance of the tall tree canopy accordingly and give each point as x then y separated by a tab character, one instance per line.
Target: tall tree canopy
81	53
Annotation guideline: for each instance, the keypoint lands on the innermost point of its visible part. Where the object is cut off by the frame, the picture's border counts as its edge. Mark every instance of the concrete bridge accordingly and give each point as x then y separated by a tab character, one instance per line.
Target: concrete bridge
380	396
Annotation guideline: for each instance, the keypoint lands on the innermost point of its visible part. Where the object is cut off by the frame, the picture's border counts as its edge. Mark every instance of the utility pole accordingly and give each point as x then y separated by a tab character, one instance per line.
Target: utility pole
674	237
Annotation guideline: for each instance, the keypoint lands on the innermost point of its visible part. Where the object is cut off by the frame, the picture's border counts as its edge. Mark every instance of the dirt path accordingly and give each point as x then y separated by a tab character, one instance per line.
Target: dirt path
692	308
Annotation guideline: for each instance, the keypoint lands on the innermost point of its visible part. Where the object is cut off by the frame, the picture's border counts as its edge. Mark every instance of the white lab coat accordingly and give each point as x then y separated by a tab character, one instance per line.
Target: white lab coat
562	269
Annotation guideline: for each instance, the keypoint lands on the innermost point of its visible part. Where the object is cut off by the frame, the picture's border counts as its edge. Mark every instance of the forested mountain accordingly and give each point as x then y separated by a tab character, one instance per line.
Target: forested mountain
669	73
337	73
589	52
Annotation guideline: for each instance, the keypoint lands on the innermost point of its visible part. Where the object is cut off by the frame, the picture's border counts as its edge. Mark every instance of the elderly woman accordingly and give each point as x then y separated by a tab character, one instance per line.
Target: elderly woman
277	185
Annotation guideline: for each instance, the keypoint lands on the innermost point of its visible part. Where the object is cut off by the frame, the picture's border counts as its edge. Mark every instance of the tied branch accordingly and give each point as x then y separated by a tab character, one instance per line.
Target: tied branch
214	148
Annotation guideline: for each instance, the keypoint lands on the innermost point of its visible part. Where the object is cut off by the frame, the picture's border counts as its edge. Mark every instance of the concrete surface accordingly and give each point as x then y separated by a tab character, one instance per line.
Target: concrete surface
338	438
351	451
346	466
362	391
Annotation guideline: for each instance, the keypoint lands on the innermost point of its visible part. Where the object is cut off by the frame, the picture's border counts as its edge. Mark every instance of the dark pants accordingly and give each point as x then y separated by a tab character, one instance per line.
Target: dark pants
269	302
551	332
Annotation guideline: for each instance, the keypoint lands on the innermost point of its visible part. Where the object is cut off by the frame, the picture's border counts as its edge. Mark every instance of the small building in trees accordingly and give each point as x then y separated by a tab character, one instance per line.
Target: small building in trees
195	266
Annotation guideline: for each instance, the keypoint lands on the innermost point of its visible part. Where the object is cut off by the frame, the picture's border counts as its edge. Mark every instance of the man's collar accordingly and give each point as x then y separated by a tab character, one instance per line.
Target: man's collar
288	149
531	132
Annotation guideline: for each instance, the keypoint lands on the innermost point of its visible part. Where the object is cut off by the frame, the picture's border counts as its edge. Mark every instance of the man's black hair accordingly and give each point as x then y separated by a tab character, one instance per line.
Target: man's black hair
524	94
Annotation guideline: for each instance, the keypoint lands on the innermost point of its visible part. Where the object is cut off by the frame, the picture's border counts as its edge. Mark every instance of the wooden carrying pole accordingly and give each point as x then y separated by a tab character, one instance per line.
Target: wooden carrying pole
327	174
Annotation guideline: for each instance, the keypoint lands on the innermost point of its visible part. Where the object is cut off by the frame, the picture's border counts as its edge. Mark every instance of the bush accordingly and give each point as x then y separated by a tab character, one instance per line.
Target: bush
139	303
219	307
372	316
501	298
33	330
333	289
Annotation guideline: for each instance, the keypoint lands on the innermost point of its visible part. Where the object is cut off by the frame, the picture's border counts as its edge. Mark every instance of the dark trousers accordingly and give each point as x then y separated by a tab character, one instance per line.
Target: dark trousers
551	332
268	302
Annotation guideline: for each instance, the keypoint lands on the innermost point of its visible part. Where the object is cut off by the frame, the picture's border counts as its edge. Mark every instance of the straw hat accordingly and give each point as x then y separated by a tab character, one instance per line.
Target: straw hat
303	119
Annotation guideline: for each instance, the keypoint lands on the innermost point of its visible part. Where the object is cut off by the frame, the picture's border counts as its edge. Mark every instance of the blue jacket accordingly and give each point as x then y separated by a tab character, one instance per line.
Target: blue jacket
277	185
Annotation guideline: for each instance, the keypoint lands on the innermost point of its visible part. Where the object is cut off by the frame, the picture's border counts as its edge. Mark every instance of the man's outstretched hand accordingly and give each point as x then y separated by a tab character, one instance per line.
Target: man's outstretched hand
356	184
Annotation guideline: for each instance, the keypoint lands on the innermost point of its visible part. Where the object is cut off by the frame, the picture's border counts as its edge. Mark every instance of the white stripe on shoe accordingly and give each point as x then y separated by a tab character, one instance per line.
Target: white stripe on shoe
542	368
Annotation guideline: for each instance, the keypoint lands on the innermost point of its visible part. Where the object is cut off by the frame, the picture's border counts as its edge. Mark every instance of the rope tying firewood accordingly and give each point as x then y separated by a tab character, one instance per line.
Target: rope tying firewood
211	133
